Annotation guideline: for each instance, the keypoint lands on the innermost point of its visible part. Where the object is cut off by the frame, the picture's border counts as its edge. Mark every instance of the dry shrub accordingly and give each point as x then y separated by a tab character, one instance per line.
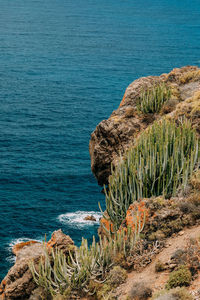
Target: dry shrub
142	254
117	276
140	291
174	294
130	112
195	180
159	266
190	76
193	256
189	256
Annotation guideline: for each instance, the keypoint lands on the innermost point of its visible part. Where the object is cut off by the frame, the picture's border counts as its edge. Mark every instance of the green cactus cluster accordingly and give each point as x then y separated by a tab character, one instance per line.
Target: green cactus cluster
161	162
152	99
56	272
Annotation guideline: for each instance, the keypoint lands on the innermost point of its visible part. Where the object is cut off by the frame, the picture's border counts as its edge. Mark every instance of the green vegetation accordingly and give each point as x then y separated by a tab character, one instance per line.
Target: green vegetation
152	99
56	273
160	163
180	277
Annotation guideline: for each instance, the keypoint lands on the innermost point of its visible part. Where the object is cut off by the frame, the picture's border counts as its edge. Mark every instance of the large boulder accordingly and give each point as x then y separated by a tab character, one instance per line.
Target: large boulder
18	283
112	137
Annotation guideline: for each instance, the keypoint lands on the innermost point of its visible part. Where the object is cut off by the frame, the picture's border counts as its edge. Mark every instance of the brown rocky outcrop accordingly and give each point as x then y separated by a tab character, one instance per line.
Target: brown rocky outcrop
18	283
18	247
113	136
61	241
90	218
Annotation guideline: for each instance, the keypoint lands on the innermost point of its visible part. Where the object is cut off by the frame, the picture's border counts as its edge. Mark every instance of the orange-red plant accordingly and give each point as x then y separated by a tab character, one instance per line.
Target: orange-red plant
106	224
136	215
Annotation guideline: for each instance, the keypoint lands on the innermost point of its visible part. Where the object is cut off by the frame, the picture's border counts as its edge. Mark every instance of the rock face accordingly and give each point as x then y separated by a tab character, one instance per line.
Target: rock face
18	247
61	241
113	136
18	283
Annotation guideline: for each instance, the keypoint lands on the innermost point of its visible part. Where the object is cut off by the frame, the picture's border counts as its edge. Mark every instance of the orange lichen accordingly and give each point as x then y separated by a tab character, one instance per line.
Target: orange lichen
3	283
106	224
123	99
19	246
2	289
136	214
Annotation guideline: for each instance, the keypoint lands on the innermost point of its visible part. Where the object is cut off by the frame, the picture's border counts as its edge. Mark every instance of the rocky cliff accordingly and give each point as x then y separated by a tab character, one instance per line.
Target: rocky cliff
166	219
113	136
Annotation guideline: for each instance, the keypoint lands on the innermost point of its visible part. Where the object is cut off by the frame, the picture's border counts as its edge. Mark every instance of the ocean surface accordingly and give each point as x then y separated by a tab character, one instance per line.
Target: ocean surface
64	66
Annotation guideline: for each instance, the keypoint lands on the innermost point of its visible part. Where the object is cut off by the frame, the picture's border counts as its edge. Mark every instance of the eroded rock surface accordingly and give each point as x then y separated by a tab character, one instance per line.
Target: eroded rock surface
61	241
113	136
18	247
18	283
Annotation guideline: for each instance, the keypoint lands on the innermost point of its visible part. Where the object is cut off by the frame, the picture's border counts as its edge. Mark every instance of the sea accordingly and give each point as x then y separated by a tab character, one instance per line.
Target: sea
64	67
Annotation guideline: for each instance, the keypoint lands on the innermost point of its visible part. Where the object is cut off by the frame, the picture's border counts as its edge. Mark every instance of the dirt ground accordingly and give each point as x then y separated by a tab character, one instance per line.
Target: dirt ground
157	280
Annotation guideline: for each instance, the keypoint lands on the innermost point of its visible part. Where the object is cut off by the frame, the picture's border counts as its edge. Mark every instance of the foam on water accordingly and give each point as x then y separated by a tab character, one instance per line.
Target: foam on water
22	240
77	218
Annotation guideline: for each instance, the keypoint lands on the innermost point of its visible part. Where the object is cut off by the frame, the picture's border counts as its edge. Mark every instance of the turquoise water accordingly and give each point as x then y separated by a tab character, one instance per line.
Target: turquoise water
64	66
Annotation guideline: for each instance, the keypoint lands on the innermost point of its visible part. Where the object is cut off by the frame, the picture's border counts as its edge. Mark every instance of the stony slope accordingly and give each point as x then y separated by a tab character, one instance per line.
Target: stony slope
157	280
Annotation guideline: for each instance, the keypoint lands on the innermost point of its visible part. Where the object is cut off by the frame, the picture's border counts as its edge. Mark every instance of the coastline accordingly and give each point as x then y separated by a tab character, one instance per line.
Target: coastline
111	139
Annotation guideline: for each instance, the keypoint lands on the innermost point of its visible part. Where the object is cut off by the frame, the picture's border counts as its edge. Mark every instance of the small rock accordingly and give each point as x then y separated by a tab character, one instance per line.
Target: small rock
90	218
181	233
172	266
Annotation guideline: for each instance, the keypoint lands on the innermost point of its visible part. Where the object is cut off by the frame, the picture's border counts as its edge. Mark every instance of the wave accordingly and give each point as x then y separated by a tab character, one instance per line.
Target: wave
77	218
21	240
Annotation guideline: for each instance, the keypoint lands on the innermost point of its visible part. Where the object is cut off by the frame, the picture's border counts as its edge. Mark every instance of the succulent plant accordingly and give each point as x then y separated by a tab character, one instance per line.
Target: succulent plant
162	160
56	272
152	99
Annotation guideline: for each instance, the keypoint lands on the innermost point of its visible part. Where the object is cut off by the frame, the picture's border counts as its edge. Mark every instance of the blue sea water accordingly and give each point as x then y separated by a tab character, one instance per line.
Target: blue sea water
64	66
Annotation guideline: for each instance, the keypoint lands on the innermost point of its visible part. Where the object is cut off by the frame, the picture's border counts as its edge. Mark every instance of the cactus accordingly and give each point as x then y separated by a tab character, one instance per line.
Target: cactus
161	162
56	272
152	99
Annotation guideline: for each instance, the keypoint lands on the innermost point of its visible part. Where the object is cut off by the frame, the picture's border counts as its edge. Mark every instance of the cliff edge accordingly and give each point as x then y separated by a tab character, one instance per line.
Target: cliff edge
113	136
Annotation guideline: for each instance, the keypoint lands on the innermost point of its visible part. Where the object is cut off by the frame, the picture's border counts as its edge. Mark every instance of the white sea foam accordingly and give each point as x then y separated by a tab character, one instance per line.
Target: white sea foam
21	240
77	218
